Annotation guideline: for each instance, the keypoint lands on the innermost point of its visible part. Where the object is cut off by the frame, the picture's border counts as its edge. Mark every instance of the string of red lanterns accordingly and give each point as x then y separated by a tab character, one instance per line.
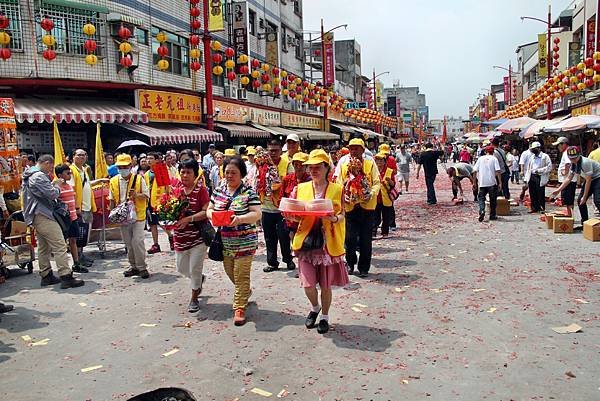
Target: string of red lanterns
195	53
125	47
48	39
5	38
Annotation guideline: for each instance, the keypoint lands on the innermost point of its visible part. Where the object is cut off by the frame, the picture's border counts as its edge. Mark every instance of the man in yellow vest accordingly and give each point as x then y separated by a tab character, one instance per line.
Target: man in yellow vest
131	187
385	204
85	204
274	227
360	213
293	146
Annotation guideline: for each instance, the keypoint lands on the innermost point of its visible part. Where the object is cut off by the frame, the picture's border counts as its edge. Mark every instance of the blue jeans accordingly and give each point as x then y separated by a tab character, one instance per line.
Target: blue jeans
595	192
483	192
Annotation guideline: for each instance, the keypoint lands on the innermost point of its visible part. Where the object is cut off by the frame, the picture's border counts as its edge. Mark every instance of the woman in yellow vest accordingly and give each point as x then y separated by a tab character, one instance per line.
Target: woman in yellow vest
319	241
385	205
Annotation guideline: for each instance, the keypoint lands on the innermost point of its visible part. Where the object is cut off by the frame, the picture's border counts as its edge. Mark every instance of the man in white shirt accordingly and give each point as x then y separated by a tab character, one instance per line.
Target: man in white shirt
512	159
488	176
537	176
564	168
524	164
587	169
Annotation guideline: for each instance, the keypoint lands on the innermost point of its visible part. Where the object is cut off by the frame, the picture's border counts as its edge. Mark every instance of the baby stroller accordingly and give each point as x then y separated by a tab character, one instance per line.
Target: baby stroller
17	244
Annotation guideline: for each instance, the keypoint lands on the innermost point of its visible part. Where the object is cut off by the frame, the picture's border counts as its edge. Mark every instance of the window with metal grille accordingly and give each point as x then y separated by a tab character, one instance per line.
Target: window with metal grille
68	28
11	9
178	58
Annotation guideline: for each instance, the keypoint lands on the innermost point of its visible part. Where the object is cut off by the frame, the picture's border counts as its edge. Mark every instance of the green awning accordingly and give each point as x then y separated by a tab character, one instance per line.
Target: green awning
77	5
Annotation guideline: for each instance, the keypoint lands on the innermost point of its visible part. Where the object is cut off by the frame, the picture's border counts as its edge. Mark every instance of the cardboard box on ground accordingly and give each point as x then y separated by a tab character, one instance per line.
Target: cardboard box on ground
502	207
591	230
563	225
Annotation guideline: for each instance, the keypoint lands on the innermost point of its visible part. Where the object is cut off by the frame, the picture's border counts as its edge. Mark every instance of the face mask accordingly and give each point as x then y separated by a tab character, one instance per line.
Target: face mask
535	151
124	172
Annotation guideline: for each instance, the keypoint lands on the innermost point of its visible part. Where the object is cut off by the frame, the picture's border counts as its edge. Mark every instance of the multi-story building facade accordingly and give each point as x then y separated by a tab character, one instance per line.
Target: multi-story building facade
405	99
73	90
454	126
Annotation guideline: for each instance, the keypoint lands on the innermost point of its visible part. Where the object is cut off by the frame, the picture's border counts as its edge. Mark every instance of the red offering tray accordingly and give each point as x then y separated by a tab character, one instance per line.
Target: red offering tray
314	213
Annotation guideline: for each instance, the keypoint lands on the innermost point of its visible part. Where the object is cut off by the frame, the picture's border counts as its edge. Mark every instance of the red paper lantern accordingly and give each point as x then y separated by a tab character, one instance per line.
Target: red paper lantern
5	53
195	65
306	100
90	45
195	24
291	77
555	56
126	62
555	49
318	53
277	90
573	70
256	84
561	76
255	63
4	21
284	83
580	76
556	41
589	62
556	63
194	2
305	84
47	24
589	82
194	40
162	51
244	69
194	12
49	54
265	78
231	76
275	71
229	52
574	88
597	67
124	33
217	58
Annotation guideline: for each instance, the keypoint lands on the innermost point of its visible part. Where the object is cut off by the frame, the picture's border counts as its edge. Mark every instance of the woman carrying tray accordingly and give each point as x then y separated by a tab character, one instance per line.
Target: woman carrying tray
319	241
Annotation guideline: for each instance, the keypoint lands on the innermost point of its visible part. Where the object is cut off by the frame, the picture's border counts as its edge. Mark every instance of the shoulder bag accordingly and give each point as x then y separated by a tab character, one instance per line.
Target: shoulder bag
123	212
207	231
215	251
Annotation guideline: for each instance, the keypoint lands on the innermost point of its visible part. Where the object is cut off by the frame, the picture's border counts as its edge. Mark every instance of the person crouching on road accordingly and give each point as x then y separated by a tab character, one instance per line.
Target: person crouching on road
319	241
459	172
126	187
39	196
240	238
189	247
490	181
385	206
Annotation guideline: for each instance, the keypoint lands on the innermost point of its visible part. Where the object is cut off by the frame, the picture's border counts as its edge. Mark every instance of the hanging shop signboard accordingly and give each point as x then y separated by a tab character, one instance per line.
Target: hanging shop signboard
265	117
240	27
230	112
590	39
169	107
300	121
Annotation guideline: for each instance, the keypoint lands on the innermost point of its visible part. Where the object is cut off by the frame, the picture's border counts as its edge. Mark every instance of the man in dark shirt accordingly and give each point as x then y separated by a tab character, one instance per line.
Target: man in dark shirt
428	160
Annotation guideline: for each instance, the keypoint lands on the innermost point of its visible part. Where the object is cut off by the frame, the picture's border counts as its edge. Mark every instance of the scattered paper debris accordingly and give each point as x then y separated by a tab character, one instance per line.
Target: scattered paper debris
165	294
479	289
404	381
452	256
408	271
360	305
172	352
572	328
444	271
462	251
100	291
41	342
581	301
398	289
491	310
26	338
283	393
355	309
148	324
82	304
84	370
259	391
570	374
186	325
437	290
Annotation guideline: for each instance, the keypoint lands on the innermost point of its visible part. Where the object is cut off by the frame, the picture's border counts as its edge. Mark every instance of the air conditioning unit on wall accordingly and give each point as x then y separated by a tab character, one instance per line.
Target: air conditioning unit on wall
242	94
231	92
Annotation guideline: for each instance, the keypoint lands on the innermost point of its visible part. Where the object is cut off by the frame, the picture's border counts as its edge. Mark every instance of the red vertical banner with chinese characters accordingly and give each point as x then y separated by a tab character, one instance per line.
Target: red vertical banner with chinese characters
328	60
506	91
590	40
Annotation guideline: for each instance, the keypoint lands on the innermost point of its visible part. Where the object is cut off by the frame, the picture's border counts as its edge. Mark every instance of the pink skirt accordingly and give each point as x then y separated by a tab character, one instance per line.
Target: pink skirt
318	267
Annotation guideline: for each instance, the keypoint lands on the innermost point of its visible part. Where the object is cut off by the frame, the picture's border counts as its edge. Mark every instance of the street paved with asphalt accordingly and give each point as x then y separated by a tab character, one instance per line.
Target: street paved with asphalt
453	310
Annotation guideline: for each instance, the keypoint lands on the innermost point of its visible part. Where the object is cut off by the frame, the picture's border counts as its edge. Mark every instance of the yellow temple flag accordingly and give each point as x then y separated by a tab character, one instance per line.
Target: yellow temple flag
59	152
100	162
216	20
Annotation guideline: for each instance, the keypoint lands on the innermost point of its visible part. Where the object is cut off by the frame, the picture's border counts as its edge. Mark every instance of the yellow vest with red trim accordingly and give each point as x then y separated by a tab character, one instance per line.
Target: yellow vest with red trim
140	204
156	192
78	187
385	192
368	166
335	233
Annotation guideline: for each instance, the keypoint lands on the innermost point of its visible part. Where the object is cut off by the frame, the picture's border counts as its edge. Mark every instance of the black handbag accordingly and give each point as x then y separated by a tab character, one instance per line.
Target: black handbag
314	240
60	212
215	251
207	231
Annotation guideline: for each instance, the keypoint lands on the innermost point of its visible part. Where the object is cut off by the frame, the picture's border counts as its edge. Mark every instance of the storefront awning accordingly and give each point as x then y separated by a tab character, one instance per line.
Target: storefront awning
77	111
370	134
244	131
280	131
346	128
172	134
312	135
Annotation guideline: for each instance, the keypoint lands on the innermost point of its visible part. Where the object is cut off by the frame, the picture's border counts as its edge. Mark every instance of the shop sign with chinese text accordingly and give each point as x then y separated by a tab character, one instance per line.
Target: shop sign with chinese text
300	121
169	107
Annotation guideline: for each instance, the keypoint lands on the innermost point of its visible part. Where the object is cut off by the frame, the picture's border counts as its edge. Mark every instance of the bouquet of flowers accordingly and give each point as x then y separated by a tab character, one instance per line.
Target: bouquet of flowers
172	206
356	187
267	176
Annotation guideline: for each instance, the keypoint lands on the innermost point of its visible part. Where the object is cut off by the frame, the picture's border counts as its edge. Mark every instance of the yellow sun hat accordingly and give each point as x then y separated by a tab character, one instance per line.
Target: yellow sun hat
317	156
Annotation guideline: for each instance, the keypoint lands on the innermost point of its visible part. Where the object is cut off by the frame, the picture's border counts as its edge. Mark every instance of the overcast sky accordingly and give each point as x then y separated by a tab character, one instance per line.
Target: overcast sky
447	48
